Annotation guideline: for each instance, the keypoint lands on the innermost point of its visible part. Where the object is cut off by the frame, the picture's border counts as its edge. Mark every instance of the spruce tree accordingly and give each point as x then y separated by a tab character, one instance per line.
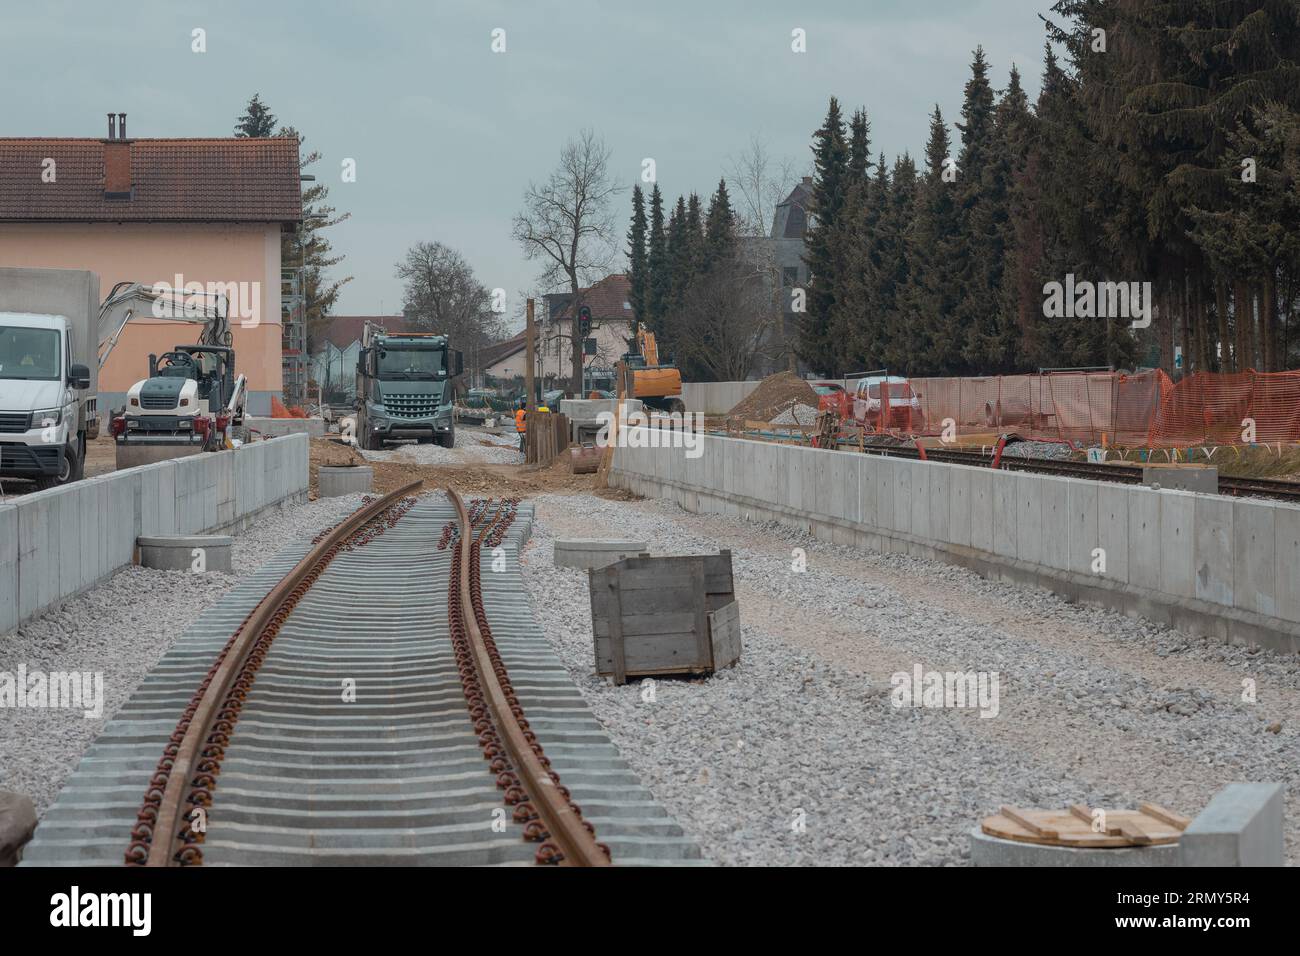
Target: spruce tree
830	171
659	287
637	272
257	121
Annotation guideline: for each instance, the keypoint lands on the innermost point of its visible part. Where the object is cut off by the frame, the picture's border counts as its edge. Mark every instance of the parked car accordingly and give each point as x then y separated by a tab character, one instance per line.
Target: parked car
875	391
831	397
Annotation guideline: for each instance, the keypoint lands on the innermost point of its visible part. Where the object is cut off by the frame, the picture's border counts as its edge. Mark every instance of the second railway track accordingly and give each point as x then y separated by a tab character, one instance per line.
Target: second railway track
380	723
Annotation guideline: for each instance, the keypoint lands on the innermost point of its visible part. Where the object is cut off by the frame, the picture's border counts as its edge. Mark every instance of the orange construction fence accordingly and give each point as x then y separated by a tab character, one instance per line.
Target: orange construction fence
1140	409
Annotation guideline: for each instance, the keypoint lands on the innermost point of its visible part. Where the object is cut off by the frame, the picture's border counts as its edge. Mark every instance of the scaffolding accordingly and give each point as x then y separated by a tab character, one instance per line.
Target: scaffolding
293	343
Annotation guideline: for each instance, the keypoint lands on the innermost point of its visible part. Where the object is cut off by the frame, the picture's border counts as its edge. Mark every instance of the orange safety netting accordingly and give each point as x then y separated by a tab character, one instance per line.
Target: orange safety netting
1142	409
278	410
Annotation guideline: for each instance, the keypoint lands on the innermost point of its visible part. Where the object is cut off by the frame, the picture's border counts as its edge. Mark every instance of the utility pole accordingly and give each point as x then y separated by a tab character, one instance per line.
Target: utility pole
531	334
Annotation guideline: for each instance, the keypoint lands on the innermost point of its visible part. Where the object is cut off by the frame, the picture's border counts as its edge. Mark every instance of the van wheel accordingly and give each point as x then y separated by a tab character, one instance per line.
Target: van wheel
71	468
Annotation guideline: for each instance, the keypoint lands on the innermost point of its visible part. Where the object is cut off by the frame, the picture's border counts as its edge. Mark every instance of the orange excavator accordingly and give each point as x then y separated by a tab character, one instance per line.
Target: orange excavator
658	386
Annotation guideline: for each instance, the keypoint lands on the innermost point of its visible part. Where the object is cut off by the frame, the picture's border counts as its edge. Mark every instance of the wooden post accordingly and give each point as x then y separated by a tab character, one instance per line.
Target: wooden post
607	459
529	358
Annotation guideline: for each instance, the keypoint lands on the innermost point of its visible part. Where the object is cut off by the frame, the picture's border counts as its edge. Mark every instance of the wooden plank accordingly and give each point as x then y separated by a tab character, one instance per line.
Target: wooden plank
724	635
1175	820
677	572
703	650
649	625
658	652
617	647
1011	813
645	601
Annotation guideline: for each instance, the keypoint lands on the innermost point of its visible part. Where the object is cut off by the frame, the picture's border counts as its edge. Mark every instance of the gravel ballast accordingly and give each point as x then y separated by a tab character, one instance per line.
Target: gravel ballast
798	755
469	450
120	629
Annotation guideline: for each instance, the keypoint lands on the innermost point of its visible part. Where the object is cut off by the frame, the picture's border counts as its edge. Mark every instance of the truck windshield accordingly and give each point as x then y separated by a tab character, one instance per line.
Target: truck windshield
29	353
411	363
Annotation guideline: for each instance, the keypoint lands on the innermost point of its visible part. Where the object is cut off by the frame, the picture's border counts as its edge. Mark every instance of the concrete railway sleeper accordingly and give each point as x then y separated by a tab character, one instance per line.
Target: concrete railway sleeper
285	715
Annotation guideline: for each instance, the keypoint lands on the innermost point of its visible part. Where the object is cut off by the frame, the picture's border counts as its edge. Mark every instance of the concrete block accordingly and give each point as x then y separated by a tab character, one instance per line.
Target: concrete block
1177	542
334	482
1213	543
901	517
1056	522
38	536
275	427
1203	479
119	523
1113	529
1083	526
959	506
8	568
591	553
195	553
1254	555
1006	513
1242	826
885	482
1029	517
1286	531
1145	542
868	478
919	497
940	500
810	462
982	507
988	850
66	511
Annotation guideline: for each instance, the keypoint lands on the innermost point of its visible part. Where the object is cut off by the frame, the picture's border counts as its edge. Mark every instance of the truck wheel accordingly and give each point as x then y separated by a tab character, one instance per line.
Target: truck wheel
448	440
71	469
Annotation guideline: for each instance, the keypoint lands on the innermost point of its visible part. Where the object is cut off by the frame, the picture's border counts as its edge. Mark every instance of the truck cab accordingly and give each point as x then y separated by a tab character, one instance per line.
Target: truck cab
404	388
42	423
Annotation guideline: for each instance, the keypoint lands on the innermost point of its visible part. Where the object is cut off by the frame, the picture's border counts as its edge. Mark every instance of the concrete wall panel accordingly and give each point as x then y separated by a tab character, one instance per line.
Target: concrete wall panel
1145	543
1255	530
959	506
8	568
940	500
1055	531
1084	526
982	509
1286	534
1177	543
1213	542
1006	513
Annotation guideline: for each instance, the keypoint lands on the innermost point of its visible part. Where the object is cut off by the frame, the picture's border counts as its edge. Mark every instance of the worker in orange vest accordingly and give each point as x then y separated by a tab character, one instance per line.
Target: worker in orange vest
520	414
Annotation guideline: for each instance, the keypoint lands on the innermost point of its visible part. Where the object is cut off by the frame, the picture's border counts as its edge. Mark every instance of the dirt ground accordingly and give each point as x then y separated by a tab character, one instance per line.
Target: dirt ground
477	479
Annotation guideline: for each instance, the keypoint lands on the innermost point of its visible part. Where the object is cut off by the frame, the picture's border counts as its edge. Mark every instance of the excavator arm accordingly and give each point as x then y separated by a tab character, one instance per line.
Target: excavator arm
130	300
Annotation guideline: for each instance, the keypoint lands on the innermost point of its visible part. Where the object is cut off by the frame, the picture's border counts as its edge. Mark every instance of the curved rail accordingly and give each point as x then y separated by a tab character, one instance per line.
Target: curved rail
570	840
209	720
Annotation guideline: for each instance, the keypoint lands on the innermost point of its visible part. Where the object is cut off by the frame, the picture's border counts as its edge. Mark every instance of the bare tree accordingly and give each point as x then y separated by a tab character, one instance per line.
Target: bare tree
728	315
568	223
760	183
442	295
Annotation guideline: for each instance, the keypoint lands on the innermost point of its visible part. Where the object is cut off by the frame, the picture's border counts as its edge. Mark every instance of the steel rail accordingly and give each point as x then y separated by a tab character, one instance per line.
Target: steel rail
167	839
571	835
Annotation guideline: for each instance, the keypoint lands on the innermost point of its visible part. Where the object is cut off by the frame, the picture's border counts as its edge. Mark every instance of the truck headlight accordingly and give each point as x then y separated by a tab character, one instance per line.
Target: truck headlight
47	417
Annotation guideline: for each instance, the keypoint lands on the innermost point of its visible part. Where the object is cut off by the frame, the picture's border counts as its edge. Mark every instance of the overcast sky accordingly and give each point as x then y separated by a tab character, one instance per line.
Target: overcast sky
446	134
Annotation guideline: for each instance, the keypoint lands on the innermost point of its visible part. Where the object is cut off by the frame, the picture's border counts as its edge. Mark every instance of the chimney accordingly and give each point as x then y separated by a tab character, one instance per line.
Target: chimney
117	160
807	180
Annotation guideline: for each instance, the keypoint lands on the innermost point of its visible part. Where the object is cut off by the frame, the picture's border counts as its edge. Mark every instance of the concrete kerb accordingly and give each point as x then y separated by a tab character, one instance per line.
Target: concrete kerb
57	543
1109	591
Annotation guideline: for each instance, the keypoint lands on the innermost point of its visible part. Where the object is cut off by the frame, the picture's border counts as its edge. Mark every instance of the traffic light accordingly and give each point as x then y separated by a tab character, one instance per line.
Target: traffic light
584	322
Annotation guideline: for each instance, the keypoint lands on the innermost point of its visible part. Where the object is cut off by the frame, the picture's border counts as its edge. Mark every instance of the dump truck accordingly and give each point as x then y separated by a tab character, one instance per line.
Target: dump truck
657	385
404	388
49	373
193	401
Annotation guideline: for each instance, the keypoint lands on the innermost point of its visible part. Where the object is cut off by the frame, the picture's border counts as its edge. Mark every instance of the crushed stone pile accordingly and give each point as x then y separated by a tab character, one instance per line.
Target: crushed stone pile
775	394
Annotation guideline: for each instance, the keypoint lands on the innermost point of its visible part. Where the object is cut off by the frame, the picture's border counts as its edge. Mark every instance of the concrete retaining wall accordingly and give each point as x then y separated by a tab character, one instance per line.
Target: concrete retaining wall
56	543
715	398
1206	564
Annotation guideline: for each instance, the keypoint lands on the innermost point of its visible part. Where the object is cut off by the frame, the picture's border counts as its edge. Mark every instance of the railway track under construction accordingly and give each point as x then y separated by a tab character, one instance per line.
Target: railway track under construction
380	695
1123	474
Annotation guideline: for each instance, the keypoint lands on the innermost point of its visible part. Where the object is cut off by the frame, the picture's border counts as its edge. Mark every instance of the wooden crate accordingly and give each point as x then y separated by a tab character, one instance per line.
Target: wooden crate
655	616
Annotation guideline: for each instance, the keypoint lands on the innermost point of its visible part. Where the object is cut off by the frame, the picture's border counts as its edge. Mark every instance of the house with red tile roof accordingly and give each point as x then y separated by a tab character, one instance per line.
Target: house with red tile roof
612	326
209	211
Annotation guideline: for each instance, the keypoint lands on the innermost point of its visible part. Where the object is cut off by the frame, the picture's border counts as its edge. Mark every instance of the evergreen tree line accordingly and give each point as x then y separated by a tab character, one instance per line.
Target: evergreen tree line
670	262
1163	148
